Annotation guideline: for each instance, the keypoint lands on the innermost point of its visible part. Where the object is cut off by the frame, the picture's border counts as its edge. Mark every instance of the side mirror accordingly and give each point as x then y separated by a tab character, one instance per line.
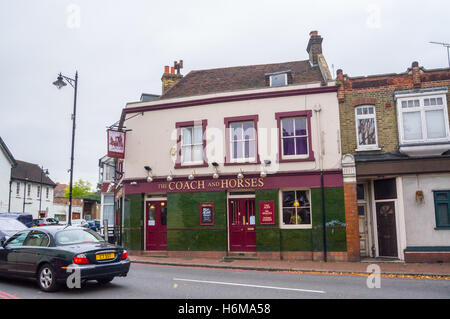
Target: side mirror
2	241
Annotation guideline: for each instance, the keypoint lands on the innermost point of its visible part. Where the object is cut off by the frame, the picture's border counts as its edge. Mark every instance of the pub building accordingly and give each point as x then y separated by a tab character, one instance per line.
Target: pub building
237	161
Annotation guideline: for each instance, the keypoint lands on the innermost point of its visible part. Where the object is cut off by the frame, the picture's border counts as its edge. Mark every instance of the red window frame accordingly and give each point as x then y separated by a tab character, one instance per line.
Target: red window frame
281	115
179	126
227	122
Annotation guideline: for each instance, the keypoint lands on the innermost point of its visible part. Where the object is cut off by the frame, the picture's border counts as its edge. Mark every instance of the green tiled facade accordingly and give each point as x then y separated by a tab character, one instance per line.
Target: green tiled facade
184	232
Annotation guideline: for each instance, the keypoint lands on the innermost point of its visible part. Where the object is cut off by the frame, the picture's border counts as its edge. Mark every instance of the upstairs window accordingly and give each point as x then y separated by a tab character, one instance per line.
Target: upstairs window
423	119
366	128
278	80
192	145
294	136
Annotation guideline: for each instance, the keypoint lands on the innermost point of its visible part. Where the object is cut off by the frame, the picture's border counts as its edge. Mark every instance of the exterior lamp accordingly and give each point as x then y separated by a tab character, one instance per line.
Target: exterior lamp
169	177
263	173
149	178
216	171
191	176
240	175
60	83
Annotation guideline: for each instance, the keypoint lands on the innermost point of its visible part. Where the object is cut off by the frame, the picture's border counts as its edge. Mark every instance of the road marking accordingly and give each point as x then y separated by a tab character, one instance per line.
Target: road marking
6	295
248	285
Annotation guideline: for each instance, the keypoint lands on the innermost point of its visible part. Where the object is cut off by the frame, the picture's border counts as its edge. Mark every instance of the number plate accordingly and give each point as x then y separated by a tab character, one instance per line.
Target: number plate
105	256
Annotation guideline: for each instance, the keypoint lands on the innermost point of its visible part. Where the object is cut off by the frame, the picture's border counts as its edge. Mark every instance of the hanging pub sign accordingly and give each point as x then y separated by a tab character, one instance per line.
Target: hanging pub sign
207	214
116	144
267	213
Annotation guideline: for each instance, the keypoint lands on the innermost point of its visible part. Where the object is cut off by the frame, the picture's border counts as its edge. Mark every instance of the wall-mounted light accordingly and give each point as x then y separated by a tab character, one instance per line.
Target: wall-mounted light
263	173
149	177
170	177
216	170
263	169
191	176
240	175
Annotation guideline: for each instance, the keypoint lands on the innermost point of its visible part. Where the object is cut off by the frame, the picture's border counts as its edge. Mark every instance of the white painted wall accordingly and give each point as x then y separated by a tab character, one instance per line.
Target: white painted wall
420	219
153	134
5	176
63	209
17	199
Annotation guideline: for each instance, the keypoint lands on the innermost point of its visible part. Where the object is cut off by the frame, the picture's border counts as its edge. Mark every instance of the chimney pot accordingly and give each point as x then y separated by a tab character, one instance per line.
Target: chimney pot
415	64
172	70
166	69
313	33
314	47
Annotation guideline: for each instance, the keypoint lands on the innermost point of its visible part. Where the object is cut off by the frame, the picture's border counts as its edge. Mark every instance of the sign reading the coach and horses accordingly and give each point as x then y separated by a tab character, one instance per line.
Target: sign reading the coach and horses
267	213
116	144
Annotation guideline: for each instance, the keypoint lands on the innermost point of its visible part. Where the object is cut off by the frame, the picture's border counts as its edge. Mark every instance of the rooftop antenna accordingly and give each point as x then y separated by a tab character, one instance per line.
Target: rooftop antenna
447	45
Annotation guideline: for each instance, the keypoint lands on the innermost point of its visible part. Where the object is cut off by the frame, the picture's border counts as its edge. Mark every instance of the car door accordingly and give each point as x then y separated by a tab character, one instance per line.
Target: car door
10	252
32	251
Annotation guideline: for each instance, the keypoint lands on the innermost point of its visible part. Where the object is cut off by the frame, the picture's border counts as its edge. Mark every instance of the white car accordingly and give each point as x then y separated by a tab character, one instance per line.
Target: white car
80	223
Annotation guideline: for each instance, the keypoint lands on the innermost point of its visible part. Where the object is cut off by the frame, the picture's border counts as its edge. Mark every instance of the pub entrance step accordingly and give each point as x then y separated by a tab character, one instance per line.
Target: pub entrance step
240	256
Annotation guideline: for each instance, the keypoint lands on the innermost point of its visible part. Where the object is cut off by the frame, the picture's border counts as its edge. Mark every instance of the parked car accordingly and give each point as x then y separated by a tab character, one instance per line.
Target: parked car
45	221
45	253
80	222
25	218
10	226
94	225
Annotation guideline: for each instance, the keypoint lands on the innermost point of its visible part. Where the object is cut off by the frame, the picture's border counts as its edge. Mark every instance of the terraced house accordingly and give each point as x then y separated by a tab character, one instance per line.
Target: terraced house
238	161
396	141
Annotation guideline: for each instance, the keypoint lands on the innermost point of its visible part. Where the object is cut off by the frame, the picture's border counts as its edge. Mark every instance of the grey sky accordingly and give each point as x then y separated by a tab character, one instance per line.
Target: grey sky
120	48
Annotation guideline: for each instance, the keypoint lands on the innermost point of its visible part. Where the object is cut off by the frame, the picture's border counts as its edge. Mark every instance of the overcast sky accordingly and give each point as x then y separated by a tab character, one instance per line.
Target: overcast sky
120	48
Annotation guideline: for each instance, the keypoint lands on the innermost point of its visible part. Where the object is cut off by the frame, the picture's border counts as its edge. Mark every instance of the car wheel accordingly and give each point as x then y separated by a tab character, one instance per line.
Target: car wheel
104	281
47	279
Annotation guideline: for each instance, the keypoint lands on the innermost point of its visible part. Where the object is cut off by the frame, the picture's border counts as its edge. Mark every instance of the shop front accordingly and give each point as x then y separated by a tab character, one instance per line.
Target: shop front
275	217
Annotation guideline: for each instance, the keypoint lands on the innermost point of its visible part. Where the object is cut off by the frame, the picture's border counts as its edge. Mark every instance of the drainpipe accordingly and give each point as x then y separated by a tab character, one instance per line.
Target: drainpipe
317	109
9	199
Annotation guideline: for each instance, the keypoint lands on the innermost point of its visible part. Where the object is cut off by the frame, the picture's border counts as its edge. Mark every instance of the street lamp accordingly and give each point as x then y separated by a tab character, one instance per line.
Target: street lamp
60	83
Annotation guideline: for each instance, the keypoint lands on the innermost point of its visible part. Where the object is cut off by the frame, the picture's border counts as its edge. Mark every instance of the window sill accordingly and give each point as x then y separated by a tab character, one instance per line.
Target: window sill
190	165
368	149
242	163
442	228
300	159
296	227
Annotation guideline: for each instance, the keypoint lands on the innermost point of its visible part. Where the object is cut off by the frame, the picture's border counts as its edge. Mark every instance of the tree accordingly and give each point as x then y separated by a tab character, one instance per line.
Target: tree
80	189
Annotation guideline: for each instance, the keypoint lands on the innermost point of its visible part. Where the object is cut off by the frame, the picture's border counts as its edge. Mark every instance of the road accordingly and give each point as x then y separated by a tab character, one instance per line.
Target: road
169	282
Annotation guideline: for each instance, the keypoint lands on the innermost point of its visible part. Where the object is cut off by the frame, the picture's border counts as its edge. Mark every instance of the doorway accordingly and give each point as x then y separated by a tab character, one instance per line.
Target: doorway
242	224
156	225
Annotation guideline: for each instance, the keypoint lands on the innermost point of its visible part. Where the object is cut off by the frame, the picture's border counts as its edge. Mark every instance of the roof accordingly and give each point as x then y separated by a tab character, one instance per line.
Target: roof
30	172
240	78
7	153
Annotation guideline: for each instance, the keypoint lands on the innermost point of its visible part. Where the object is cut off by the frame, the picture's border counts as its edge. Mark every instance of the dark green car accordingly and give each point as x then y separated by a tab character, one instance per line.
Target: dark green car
50	253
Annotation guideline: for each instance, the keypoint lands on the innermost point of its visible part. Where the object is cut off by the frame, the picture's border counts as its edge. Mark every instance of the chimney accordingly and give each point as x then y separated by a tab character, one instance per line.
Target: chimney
416	74
314	47
169	77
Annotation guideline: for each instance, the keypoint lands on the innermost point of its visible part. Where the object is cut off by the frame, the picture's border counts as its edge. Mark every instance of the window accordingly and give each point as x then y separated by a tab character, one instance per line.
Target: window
278	79
296	209
423	118
295	138
442	208
18	239
241	139
37	238
38	194
47	190
29	190
191	144
366	127
17	188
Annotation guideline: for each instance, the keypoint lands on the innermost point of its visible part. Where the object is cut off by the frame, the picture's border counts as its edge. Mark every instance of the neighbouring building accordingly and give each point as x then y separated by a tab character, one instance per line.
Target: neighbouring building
61	208
229	161
106	180
31	190
396	141
7	163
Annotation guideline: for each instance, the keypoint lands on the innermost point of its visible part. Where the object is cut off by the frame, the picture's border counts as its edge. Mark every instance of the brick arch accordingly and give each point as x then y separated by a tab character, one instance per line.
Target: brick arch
364	101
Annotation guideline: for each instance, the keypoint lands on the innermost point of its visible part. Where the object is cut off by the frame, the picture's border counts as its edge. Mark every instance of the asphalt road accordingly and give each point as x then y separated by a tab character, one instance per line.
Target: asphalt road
168	282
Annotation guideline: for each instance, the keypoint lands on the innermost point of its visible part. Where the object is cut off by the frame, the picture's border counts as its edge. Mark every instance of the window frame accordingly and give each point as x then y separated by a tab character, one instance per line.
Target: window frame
285	79
309	157
372	147
422	109
280	215
179	126
228	121
439	201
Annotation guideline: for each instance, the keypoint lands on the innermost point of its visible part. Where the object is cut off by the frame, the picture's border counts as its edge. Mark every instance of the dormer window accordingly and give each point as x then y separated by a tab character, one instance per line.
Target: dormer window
276	79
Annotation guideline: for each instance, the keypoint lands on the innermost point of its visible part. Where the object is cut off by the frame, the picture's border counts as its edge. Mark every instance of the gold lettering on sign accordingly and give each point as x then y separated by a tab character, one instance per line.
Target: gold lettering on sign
223	184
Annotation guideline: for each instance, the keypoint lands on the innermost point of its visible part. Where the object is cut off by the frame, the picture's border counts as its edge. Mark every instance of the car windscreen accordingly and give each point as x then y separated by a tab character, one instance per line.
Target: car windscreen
77	236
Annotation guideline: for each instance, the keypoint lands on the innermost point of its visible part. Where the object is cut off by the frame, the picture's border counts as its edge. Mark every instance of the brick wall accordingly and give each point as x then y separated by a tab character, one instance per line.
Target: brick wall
378	91
352	222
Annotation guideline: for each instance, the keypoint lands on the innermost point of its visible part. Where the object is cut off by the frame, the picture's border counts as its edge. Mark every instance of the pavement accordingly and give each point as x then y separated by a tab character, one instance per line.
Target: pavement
387	268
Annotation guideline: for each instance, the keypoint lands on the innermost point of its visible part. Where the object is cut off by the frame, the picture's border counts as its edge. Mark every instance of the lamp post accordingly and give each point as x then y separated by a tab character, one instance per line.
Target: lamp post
59	83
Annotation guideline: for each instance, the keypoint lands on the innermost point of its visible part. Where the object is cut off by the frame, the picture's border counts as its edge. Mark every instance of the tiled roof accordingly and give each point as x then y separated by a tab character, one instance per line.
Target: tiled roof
59	190
240	78
30	172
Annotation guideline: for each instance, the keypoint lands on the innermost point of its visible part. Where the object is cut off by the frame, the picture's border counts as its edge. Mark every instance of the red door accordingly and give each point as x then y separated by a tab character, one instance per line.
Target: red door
242	221
156	225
